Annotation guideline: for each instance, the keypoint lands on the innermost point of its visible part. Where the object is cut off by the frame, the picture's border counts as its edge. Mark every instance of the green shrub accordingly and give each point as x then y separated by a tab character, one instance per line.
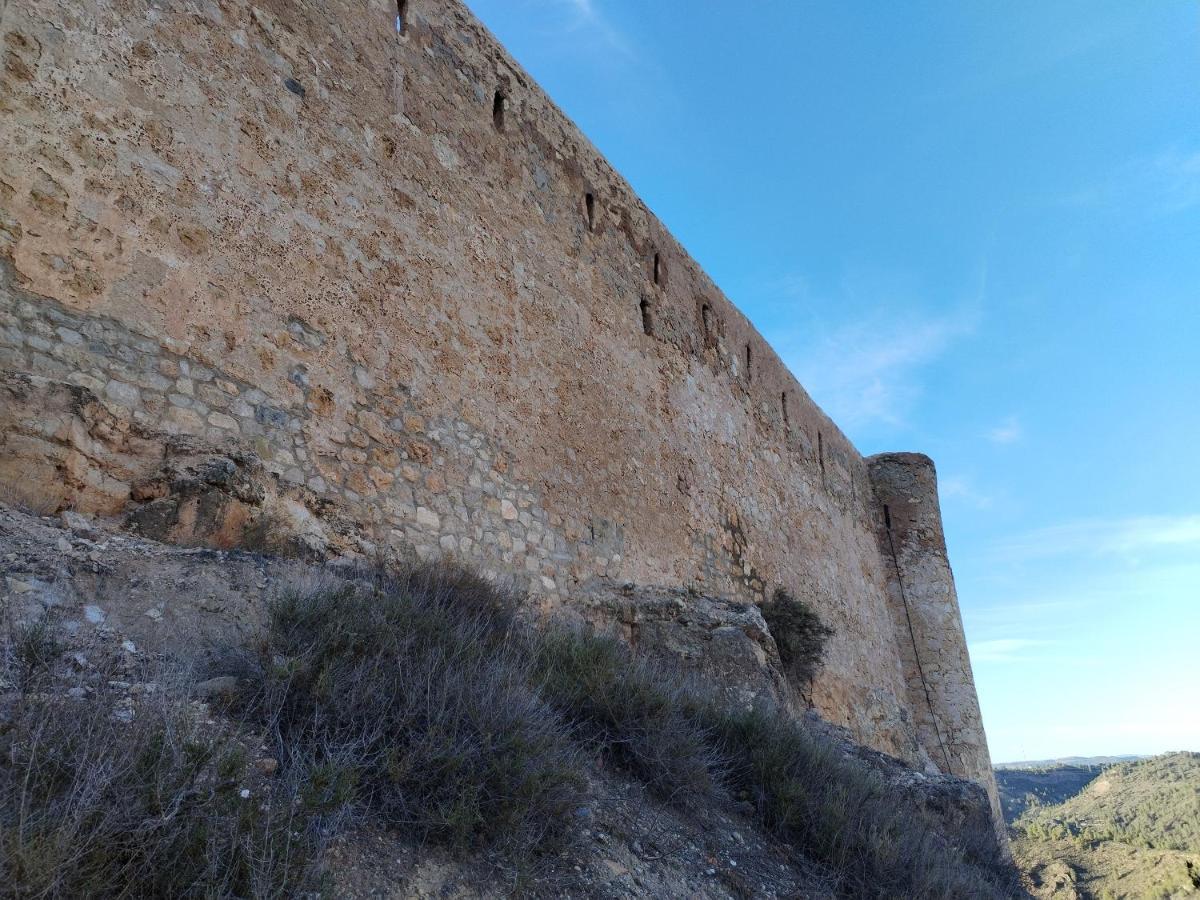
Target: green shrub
841	814
799	634
683	741
413	695
94	806
636	712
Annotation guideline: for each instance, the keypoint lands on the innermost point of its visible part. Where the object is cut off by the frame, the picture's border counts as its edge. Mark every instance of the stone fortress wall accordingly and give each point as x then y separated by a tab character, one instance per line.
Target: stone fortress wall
384	262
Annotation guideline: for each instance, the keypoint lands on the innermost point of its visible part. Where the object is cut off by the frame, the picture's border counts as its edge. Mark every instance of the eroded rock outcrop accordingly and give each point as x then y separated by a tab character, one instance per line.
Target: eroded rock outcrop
725	643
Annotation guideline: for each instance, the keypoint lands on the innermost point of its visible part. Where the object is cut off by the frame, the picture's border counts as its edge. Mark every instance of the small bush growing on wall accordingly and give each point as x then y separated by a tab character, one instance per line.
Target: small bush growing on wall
799	633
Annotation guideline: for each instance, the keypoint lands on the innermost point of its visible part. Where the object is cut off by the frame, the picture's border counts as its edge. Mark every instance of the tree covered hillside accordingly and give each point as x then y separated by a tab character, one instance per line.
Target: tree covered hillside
1043	785
1134	831
1153	803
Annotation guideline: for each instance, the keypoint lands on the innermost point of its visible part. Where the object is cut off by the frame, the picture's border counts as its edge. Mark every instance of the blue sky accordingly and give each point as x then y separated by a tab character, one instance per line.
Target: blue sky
971	229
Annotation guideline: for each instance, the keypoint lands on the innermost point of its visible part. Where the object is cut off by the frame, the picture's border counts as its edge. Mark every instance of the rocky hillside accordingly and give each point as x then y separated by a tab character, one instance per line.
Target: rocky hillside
1133	831
179	721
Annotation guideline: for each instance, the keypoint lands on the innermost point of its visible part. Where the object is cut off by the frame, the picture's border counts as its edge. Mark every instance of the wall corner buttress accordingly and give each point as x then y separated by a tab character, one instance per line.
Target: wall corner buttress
922	595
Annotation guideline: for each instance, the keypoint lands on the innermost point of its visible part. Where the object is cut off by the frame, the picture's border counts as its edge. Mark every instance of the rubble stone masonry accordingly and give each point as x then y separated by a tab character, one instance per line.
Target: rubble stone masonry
381	260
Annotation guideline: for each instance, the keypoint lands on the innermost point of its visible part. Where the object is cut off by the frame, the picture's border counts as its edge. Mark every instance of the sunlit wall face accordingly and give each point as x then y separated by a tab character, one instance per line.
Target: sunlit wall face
970	230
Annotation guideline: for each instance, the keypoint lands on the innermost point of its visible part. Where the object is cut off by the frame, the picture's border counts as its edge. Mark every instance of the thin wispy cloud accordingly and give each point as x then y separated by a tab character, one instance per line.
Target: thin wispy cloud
576	16
788	288
1177	175
1127	537
960	487
869	370
1031	614
1160	184
1043	46
576	29
1003	650
863	352
1007	432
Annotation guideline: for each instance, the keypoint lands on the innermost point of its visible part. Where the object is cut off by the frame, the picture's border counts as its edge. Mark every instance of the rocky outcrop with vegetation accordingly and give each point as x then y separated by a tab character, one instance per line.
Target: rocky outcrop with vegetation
184	722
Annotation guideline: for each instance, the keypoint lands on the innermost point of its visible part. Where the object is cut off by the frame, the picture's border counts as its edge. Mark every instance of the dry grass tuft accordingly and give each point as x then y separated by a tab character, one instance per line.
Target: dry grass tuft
97	800
414	698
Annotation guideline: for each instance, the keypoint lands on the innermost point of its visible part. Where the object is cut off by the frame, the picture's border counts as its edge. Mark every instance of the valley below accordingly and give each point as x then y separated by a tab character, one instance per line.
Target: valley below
1096	829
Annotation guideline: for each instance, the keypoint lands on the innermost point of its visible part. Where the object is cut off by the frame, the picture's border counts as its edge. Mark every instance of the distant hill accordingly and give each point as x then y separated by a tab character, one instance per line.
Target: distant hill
1132	831
1092	761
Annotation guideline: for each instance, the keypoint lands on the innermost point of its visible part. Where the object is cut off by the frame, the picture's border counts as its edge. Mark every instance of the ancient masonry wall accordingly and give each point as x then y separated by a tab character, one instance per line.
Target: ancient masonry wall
384	261
937	667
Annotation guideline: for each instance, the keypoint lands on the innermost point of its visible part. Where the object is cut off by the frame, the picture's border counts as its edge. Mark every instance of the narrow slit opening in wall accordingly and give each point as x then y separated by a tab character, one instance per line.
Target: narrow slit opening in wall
657	268
498	104
749	374
590	202
647	324
706	315
401	16
887	517
821	451
783	406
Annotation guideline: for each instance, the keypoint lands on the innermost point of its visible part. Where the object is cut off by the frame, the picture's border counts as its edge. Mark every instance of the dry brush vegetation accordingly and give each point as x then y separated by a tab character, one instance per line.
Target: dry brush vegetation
422	702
